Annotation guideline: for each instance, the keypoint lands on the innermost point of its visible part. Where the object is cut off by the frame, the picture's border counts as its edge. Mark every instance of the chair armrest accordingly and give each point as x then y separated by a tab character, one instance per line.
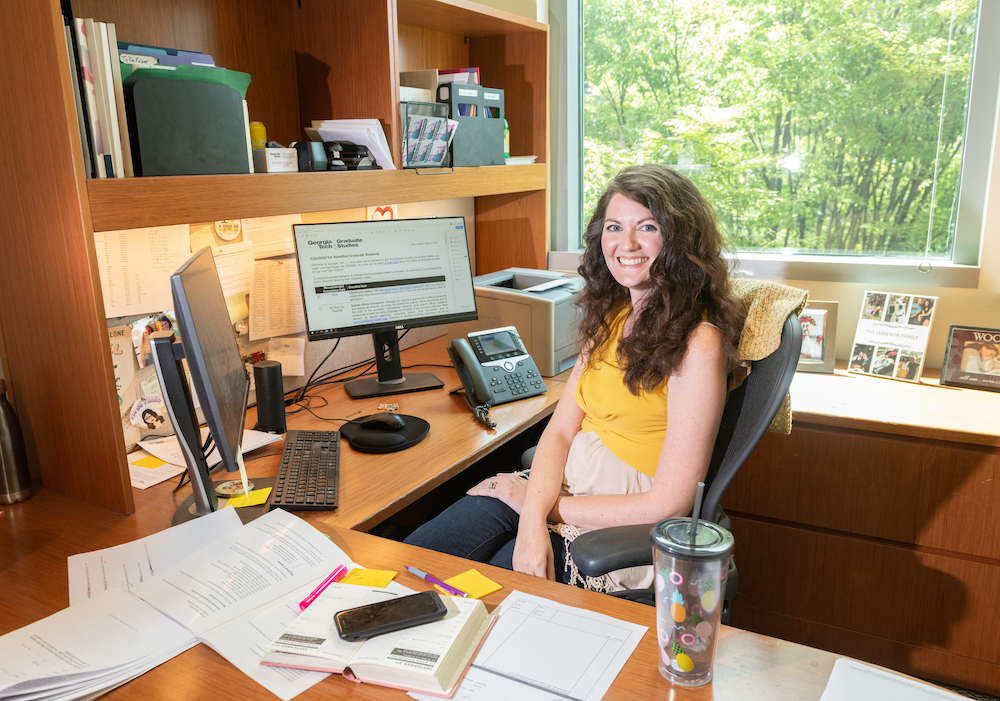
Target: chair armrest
602	551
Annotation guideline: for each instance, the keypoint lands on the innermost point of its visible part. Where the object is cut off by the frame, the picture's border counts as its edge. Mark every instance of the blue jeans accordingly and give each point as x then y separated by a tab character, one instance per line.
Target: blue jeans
482	529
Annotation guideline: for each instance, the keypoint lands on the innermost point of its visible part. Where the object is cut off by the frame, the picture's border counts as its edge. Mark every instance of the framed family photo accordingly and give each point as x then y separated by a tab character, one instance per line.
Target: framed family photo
971	358
892	334
819	337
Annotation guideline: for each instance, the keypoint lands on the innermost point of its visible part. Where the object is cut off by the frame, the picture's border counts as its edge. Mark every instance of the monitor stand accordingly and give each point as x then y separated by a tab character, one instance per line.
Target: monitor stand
390	372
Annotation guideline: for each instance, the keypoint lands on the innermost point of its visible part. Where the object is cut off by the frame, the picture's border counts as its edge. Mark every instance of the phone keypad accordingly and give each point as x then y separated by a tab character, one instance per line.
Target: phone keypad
519	382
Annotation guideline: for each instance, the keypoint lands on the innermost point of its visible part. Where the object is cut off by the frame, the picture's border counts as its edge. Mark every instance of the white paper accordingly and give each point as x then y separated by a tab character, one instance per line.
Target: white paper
168	449
267	559
91	645
271	236
276	300
854	681
135	266
235	265
541	649
244	640
145	477
291	353
127	565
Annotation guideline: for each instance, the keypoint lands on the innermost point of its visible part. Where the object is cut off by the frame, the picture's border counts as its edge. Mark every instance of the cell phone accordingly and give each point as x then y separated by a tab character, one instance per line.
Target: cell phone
386	616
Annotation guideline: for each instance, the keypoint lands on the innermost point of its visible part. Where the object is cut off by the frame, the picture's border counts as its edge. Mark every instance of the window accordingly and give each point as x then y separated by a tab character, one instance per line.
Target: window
821	130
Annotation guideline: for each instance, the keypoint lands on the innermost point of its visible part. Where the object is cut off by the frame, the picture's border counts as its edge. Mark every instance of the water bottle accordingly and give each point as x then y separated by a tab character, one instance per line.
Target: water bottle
15	480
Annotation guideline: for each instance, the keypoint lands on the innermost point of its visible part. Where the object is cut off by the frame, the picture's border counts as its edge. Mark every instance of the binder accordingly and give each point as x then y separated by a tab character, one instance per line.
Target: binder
478	139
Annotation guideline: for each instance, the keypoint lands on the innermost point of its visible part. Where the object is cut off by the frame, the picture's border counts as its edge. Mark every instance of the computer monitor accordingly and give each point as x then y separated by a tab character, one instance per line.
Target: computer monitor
208	344
379	277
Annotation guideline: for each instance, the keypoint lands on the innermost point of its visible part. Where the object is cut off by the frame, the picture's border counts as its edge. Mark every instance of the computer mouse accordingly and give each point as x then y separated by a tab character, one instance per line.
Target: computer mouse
384	421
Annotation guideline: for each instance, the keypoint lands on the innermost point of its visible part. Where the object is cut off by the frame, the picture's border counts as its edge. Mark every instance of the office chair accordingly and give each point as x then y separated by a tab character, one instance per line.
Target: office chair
748	412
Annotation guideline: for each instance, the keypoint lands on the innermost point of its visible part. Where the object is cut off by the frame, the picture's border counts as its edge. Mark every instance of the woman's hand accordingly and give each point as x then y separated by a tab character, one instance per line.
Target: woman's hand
533	552
508	488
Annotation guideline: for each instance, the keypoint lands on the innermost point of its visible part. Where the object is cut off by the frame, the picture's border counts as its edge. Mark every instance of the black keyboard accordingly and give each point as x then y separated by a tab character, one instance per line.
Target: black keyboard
309	473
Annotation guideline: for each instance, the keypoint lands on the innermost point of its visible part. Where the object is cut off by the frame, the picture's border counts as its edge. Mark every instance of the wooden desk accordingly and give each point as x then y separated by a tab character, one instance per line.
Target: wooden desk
872	528
39	534
373	487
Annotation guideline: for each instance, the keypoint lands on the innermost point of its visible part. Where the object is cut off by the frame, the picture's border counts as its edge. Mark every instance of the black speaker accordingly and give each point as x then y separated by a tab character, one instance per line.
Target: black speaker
270	396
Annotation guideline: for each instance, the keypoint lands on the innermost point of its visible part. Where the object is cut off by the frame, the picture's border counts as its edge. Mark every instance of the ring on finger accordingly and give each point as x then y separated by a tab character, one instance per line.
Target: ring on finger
493	485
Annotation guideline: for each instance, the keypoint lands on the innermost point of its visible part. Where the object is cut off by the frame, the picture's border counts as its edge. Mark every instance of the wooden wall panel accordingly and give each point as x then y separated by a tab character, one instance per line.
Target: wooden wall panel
346	66
510	231
251	36
932	494
421	48
518	63
832	591
51	308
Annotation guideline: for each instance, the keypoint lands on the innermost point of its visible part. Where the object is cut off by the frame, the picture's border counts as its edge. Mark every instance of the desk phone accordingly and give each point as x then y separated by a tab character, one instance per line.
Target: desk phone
495	367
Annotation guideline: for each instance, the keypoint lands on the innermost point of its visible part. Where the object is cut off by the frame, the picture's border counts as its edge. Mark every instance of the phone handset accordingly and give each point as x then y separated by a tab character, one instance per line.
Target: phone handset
470	372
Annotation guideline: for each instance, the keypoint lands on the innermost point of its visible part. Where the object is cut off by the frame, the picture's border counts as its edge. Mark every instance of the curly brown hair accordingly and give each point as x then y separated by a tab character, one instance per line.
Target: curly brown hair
690	274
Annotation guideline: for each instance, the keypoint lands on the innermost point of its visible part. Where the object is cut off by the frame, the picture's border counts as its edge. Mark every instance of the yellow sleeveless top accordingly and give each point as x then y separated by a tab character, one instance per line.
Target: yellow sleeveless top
631	427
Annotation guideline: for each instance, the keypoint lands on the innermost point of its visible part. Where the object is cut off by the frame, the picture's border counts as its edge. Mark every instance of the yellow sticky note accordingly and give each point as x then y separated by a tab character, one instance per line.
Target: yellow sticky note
237	306
368	578
254	498
149	461
473	583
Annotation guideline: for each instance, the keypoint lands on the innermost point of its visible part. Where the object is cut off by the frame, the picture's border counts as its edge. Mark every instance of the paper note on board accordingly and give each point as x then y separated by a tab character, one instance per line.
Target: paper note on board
275	300
135	266
290	352
271	236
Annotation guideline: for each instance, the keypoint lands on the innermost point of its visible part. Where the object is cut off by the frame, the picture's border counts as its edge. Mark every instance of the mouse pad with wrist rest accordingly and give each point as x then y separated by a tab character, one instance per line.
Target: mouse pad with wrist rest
368	440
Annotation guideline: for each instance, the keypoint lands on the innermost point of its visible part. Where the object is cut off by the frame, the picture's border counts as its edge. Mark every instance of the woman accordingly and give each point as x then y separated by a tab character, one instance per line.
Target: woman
634	430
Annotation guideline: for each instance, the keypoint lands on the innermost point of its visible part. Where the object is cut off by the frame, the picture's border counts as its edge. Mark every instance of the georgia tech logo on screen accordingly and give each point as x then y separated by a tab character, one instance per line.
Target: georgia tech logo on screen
321	244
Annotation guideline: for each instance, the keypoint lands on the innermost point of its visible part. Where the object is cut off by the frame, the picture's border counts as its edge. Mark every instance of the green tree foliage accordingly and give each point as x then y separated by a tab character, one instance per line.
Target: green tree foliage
809	124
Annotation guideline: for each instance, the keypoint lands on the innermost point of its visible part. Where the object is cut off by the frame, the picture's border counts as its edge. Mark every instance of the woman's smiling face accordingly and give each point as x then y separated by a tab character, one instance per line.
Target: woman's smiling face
631	240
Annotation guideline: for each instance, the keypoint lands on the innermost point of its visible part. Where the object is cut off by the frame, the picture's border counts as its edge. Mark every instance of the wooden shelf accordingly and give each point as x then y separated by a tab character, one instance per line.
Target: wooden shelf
468	19
191	199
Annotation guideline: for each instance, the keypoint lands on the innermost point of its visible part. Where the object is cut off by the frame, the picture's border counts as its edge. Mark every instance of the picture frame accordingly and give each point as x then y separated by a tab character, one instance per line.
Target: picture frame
972	358
892	334
819	337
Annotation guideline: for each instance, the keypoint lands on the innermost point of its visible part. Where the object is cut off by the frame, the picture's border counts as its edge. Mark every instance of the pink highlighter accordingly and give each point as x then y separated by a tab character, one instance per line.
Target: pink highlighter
335	576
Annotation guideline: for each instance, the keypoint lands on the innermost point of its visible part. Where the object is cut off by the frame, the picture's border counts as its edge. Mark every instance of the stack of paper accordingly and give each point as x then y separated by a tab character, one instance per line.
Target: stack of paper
367	132
237	593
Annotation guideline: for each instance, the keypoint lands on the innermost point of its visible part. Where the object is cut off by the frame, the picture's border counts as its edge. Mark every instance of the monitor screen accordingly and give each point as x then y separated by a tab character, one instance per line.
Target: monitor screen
213	358
368	277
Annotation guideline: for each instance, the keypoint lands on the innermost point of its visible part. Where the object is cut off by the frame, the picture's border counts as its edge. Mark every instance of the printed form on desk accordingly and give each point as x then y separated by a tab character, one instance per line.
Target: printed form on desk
855	681
540	647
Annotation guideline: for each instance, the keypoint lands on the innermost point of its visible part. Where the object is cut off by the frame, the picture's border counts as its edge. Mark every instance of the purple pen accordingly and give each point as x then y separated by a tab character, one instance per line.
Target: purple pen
434	580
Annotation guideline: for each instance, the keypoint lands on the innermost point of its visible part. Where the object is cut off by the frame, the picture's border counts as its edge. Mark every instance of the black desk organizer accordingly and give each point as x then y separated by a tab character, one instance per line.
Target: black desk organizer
478	139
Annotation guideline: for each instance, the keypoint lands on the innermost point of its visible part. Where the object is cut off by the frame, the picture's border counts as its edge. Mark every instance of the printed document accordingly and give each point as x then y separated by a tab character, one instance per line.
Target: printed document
275	300
135	266
271	236
855	681
266	559
168	449
85	649
143	475
540	649
129	564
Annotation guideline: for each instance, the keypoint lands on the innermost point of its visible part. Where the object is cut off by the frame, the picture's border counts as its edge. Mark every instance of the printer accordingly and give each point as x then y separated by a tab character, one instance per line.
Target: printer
541	304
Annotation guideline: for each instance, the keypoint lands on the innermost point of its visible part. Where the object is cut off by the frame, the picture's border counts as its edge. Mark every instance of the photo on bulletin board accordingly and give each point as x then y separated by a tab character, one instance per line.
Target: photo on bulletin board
819	337
892	334
972	358
142	328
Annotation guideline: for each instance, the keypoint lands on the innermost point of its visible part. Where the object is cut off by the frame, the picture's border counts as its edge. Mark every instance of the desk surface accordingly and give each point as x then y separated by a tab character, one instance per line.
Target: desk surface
40	533
922	409
376	486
